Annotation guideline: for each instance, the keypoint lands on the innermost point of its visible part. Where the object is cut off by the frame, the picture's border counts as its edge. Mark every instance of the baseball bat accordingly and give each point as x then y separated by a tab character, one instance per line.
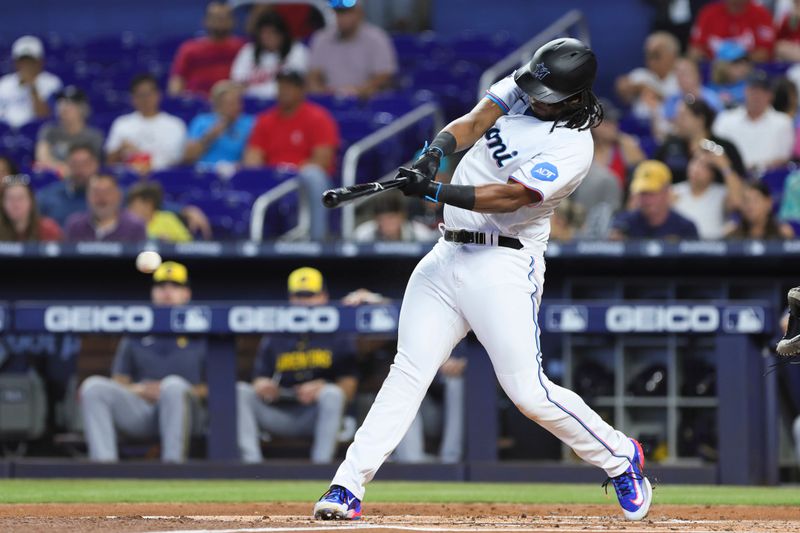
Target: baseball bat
336	197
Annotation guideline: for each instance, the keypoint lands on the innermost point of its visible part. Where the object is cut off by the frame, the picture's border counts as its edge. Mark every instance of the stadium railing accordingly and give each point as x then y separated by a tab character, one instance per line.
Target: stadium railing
353	154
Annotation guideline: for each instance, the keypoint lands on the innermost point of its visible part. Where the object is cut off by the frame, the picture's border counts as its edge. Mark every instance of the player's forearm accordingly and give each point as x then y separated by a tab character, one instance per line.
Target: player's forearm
469	128
495	198
499	198
466	130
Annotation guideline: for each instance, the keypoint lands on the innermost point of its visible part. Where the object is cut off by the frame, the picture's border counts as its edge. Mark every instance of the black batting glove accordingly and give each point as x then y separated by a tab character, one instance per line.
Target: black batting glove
418	185
428	163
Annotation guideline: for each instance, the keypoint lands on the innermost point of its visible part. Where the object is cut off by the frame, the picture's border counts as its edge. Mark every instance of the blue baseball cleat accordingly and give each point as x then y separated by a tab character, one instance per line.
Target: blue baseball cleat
338	504
633	489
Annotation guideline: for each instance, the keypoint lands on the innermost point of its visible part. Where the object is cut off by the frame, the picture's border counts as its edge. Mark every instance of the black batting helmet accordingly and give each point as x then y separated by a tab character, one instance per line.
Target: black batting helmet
559	69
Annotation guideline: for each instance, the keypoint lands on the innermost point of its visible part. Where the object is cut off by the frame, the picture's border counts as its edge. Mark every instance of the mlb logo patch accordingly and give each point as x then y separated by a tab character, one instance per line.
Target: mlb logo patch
545	172
567	318
743	319
376	319
195	319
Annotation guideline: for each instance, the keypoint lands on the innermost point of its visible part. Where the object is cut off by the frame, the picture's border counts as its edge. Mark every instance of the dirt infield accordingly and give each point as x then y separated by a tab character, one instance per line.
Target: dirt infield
294	517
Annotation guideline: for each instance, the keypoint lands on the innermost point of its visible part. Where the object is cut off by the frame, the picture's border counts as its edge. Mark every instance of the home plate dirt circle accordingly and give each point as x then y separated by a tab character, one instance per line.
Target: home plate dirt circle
385	518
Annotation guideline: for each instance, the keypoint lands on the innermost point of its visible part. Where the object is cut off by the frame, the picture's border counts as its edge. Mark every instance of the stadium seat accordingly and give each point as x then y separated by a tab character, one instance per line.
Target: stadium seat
184	107
125	176
43	178
258	180
179	181
254	106
227	211
775	179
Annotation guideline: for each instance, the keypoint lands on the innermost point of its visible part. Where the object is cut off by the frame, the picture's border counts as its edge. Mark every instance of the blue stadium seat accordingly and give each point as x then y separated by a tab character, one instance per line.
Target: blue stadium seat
184	107
180	181
397	103
776	179
166	47
227	211
257	180
125	176
634	125
254	106
43	178
31	129
112	49
355	125
335	104
19	148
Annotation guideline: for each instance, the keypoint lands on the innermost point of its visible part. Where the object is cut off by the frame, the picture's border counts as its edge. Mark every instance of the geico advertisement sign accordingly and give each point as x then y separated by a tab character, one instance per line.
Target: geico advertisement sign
658	318
318	319
106	318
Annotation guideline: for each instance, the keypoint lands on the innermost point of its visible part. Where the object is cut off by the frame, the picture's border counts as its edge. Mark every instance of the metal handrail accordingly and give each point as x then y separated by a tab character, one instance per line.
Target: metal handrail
354	153
323	6
523	54
259	210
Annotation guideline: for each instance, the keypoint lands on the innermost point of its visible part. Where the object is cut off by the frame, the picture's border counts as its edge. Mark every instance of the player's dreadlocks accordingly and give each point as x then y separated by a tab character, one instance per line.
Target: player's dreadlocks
582	112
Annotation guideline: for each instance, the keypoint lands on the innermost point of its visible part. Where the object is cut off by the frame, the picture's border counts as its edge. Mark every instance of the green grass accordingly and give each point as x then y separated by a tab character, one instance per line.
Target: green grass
113	491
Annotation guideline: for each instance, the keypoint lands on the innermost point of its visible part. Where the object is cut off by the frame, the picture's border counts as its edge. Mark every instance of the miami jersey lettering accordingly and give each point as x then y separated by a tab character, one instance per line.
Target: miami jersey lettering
520	147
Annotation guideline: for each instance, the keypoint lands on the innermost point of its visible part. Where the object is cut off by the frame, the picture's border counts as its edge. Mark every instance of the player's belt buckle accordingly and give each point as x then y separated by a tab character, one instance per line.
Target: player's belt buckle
464	236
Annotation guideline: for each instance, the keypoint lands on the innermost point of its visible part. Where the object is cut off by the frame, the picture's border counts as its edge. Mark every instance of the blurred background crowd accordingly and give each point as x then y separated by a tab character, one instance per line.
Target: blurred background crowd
123	139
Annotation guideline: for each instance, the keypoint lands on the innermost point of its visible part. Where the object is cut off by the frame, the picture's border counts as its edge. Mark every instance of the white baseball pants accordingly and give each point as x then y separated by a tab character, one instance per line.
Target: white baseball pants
495	292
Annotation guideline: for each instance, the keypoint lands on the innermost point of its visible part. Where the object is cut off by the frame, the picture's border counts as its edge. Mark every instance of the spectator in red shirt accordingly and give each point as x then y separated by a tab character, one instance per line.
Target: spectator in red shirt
742	21
202	62
787	47
300	134
20	220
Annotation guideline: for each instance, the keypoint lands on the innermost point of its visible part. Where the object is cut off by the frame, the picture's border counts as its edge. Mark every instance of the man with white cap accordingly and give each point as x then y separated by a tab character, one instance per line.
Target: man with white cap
24	93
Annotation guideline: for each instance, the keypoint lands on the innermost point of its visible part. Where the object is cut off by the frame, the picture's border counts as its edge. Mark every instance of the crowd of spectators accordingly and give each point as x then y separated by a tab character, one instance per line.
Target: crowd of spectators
718	105
714	134
275	65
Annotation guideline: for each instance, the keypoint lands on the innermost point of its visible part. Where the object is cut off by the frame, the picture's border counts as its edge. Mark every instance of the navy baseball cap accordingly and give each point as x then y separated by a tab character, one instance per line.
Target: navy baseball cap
759	79
73	94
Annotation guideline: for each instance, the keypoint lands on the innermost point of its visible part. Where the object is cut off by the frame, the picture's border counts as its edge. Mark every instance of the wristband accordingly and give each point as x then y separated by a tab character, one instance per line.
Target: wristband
444	143
462	196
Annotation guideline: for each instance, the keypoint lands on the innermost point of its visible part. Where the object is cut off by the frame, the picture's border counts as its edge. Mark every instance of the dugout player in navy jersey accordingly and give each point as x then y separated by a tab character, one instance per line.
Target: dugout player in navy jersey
301	382
156	384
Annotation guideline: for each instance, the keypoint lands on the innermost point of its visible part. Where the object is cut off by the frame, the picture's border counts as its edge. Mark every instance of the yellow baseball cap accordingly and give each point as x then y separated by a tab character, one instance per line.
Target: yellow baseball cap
306	281
650	176
171	272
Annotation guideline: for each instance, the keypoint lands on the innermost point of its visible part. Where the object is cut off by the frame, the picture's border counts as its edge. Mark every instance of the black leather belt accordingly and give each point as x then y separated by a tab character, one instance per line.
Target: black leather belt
463	236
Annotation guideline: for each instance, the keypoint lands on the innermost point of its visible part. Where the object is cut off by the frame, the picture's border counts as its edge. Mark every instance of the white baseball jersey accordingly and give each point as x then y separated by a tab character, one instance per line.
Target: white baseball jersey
494	292
522	148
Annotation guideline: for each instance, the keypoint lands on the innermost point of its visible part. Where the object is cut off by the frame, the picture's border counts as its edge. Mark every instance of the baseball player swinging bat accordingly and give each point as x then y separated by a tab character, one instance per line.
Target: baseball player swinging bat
336	197
528	146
